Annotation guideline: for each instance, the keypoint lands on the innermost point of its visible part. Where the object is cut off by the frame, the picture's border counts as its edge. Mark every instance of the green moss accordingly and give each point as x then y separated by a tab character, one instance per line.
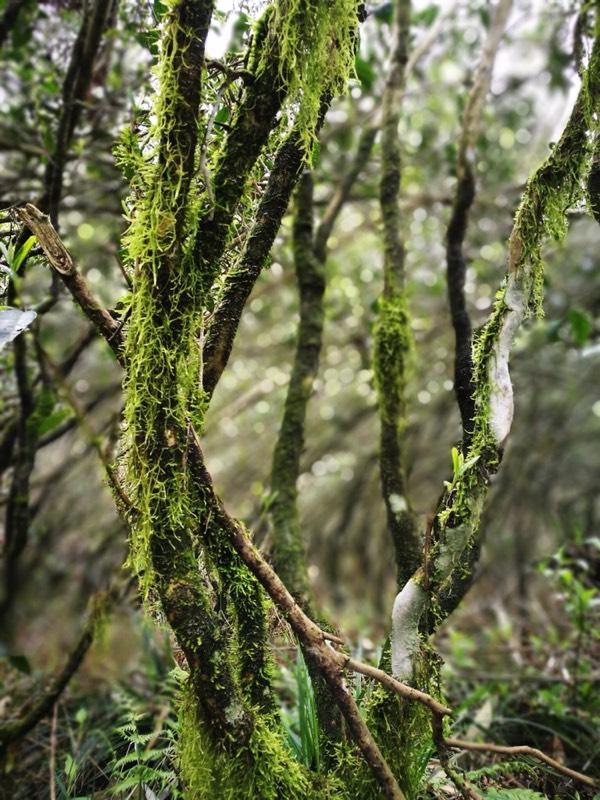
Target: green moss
164	360
402	730
265	769
313	42
391	348
556	186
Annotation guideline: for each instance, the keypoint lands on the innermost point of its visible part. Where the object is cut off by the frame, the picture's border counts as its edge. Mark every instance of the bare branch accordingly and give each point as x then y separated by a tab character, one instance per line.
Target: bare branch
60	260
522	750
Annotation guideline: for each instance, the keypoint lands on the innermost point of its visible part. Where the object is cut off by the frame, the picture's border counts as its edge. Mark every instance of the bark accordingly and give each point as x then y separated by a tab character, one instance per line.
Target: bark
10	17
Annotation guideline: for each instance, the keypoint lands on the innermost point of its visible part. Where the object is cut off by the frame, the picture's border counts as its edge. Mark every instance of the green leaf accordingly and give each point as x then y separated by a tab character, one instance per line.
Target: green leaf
581	325
384	12
160	9
53	420
427	16
21	663
468	464
364	72
455	462
22	253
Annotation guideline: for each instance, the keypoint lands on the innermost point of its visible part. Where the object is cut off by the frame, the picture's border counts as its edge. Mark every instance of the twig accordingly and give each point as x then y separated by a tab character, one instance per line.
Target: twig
402	689
90	434
523	750
463	786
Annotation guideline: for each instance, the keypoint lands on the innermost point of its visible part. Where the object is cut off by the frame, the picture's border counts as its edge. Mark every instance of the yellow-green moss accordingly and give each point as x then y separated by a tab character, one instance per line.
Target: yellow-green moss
163	390
392	342
265	770
313	42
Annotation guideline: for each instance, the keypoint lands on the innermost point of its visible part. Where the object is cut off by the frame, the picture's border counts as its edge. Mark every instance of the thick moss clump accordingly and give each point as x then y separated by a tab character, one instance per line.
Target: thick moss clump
313	43
265	769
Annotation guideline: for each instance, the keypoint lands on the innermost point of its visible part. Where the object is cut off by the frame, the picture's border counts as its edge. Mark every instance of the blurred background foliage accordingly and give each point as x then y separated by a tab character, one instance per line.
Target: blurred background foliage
520	650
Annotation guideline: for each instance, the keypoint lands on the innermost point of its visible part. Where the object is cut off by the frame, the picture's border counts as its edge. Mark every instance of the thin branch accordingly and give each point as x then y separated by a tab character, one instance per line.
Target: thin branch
63	265
75	90
240	281
17	509
49	692
342	193
522	750
464	788
289	558
457	227
123	501
288	552
391	339
365	144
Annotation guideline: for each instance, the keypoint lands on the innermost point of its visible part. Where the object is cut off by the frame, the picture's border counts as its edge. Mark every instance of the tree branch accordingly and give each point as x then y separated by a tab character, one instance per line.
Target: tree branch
289	558
240	281
252	126
9	17
61	262
75	89
522	750
391	336
241	278
41	704
464	386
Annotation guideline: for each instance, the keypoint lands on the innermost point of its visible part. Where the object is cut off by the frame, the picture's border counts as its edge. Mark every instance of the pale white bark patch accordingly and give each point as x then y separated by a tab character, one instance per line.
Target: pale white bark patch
501	393
451	549
406	615
398	503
